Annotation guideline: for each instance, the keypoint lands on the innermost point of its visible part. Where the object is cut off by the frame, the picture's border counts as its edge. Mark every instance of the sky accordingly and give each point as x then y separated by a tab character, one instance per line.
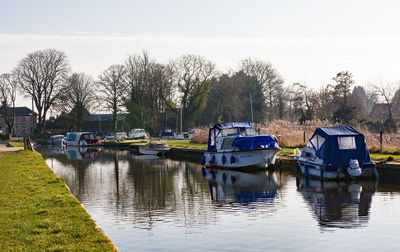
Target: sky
305	41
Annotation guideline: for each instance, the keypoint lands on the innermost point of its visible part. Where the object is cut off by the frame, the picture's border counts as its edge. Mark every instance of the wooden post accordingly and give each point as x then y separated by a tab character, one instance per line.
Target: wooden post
380	140
304	137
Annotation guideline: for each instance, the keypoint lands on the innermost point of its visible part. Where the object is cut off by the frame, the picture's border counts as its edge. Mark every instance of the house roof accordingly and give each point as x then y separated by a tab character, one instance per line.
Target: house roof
22	111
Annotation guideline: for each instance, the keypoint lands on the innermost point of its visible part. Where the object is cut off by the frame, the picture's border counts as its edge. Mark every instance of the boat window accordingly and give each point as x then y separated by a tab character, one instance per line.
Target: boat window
317	141
212	138
250	131
347	143
227	143
230	132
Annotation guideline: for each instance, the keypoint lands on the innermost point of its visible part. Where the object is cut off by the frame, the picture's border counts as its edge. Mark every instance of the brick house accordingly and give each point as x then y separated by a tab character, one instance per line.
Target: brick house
25	122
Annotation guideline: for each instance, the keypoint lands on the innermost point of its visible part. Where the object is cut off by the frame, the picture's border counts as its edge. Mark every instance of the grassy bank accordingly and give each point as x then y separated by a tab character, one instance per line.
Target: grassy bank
37	211
16	144
187	144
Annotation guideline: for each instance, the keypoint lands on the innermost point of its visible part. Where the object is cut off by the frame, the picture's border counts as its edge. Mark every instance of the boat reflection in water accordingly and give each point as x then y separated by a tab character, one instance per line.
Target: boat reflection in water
81	153
338	204
227	186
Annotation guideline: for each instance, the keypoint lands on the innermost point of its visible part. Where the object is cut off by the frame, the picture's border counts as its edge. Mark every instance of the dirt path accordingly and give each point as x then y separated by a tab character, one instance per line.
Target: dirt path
3	147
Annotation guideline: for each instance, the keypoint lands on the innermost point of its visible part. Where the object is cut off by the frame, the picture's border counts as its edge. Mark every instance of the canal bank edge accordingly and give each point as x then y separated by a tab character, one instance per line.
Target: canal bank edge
39	212
195	155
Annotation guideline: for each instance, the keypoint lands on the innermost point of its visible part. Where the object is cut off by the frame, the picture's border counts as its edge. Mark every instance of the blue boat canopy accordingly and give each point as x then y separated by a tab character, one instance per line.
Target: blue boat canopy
245	136
254	142
337	145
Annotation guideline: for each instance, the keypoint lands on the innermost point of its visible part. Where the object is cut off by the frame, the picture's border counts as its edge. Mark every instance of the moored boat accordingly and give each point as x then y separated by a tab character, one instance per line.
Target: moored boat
56	140
237	145
82	139
157	148
336	152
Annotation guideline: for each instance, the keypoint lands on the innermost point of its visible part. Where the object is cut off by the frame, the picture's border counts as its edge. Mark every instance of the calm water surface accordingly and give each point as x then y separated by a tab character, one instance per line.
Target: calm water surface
144	203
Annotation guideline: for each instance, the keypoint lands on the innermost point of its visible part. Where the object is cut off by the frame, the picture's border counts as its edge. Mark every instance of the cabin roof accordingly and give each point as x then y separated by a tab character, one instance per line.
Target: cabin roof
338	131
232	125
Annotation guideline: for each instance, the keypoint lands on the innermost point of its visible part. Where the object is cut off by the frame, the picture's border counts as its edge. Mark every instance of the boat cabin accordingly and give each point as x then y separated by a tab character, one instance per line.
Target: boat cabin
237	136
81	139
337	145
167	133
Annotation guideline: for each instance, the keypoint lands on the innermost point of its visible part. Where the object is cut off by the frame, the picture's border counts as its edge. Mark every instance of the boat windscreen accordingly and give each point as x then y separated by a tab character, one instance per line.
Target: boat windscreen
316	142
230	132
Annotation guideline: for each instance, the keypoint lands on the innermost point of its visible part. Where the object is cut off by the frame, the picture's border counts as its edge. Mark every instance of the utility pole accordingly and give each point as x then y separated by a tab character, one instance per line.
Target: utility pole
251	108
181	119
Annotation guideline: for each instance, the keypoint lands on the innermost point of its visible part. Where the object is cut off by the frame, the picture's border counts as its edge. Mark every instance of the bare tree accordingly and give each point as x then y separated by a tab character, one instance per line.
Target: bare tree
270	80
78	101
8	95
192	77
386	92
150	92
112	90
41	76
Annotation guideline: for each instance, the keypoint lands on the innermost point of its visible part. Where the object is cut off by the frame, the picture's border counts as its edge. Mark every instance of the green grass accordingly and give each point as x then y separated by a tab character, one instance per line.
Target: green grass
17	144
184	144
38	212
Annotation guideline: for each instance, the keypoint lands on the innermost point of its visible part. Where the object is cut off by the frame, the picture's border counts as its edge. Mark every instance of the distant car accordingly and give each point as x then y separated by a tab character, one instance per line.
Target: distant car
138	134
121	136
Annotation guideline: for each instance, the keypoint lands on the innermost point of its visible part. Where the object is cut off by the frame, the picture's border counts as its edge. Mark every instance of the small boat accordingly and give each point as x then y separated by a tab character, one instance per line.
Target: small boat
56	140
336	152
157	148
237	145
81	139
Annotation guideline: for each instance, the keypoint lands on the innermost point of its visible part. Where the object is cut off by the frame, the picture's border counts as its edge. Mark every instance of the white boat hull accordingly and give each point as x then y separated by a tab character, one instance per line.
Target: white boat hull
260	158
317	169
150	152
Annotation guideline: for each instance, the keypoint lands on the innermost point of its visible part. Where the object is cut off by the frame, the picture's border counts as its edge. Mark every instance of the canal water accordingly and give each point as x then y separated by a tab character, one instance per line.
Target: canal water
146	203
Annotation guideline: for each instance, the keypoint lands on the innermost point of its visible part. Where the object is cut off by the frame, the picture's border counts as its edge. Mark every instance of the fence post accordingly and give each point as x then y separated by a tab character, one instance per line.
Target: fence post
380	140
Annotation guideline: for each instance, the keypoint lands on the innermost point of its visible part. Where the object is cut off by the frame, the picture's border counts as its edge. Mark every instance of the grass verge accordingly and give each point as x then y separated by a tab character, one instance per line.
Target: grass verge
184	144
16	144
38	212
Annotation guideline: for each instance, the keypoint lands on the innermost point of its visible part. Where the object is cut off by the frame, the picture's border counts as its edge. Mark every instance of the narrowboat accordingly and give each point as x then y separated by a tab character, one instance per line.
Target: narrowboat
82	139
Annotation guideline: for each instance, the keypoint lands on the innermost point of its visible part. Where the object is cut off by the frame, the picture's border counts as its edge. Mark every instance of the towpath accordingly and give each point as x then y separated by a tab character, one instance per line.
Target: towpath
3	147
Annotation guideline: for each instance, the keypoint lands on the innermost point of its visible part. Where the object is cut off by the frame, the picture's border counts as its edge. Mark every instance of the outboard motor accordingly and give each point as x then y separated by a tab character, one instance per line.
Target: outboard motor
354	169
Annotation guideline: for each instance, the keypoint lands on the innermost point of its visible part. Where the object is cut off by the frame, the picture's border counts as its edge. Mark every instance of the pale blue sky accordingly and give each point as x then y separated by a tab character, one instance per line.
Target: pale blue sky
306	41
290	18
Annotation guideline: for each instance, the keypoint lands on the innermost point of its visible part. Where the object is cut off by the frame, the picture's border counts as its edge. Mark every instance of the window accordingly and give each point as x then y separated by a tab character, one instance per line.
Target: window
347	143
230	132
23	119
317	141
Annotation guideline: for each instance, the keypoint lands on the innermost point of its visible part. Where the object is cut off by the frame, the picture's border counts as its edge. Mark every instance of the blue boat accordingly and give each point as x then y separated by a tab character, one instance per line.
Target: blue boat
237	145
336	152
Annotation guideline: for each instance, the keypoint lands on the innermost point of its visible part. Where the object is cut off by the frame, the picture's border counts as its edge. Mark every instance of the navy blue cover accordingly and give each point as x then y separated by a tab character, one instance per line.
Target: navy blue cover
245	143
330	152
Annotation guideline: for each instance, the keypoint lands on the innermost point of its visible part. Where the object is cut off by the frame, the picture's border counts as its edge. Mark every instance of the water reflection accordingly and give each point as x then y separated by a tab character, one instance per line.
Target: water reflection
338	204
241	187
151	203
